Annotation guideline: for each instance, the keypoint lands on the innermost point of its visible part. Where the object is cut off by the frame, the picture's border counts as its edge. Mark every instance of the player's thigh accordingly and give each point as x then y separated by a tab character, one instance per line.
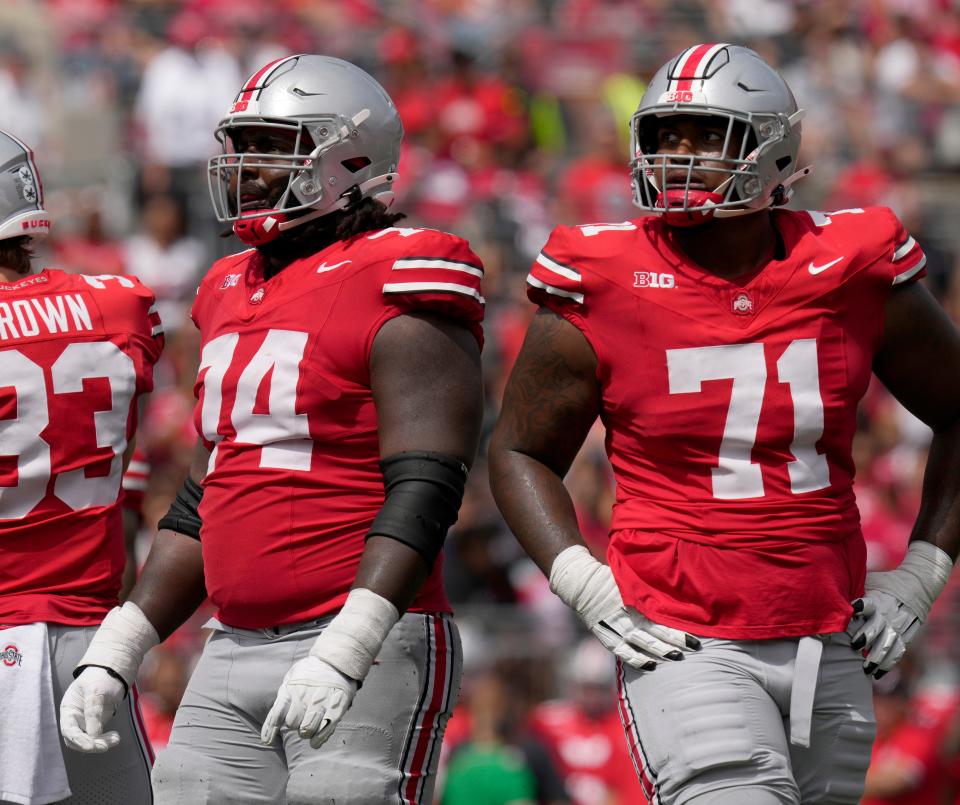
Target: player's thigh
387	747
833	768
214	756
702	727
122	775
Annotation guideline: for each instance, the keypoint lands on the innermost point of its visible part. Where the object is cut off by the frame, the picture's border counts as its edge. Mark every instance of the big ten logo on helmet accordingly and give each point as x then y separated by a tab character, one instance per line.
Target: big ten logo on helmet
651	279
239	106
677	96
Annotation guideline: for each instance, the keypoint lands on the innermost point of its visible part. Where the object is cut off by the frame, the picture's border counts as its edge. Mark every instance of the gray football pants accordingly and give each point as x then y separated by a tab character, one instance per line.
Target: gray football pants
385	750
714	728
120	776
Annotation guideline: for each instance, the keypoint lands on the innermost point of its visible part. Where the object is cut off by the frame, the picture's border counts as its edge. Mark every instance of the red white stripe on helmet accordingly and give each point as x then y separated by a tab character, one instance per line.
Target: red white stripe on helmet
693	65
261	78
256	84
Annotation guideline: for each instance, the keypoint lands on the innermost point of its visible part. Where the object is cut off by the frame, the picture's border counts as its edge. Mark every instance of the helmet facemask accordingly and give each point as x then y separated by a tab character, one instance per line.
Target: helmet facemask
317	142
749	137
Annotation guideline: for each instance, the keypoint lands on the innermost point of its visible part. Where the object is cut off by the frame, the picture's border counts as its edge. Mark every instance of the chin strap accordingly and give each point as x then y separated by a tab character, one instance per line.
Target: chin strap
780	196
256	230
348	198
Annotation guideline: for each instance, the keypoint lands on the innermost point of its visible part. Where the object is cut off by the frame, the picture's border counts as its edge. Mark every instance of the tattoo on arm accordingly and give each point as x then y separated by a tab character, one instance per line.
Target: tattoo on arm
553	394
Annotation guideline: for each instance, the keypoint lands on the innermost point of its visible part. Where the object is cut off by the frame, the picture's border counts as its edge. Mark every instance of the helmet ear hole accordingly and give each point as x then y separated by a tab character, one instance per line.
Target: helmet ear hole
783	162
355	164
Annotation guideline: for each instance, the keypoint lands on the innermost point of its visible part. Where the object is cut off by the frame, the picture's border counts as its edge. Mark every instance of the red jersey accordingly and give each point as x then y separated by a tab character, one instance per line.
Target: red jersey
730	408
591	753
75	352
285	403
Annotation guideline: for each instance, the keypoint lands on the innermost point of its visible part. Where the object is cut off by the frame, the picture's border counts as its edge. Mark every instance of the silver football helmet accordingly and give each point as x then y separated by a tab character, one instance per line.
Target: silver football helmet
21	194
347	143
734	84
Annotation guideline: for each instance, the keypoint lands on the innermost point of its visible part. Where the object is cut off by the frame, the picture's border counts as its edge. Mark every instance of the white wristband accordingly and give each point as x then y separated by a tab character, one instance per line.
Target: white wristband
931	567
354	637
121	642
584	584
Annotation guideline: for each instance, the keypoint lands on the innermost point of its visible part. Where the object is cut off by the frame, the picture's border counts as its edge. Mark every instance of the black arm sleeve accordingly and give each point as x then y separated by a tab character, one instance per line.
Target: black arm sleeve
424	492
182	516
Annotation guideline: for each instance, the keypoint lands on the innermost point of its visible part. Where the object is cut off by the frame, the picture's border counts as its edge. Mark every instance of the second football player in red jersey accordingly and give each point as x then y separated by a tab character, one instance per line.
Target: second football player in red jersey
76	353
339	408
725	344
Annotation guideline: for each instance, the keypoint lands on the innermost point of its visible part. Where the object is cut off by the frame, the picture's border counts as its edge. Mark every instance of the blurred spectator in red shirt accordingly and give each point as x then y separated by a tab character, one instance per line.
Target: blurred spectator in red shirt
473	106
165	259
906	767
585	734
596	186
89	249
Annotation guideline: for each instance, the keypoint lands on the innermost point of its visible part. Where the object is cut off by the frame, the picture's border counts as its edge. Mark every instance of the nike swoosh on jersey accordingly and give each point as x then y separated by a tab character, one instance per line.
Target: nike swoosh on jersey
324	267
819	269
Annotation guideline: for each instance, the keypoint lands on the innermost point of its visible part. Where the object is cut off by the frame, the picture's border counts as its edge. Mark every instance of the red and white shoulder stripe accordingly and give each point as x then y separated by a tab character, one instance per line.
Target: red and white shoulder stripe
156	326
556	278
435	275
908	260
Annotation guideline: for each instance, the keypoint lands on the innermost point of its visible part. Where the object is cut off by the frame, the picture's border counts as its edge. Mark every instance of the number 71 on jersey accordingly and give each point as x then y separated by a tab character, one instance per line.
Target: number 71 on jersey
736	476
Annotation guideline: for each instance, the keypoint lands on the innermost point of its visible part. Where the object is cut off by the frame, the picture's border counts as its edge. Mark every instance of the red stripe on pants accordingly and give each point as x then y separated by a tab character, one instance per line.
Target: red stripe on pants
427	725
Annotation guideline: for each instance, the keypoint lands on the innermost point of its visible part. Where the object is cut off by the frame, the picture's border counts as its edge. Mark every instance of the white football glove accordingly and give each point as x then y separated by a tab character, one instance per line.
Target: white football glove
318	690
87	705
312	699
120	644
895	604
589	589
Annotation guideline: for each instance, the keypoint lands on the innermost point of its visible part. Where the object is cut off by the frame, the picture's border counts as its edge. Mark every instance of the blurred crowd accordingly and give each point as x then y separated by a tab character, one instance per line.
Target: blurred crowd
516	118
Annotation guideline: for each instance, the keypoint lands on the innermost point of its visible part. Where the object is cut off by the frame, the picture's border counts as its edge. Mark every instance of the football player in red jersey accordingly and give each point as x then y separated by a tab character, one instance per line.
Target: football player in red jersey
725	343
339	408
76	353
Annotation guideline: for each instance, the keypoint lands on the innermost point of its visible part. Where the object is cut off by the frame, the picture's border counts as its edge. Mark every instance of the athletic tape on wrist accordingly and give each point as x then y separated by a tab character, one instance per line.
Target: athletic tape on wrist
121	642
920	577
354	637
584	584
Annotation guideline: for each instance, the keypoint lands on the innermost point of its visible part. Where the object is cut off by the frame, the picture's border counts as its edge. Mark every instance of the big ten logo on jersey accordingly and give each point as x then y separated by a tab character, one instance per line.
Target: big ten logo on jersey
230	281
653	279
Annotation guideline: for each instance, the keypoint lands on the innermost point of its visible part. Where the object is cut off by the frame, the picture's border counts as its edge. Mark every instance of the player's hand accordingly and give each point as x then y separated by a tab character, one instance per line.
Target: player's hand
87	705
895	604
588	587
312	699
638	641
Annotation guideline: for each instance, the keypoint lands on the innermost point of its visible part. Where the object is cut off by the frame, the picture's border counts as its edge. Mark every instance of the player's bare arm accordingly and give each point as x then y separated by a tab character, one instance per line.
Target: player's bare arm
169	590
919	362
551	401
171	585
420	409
